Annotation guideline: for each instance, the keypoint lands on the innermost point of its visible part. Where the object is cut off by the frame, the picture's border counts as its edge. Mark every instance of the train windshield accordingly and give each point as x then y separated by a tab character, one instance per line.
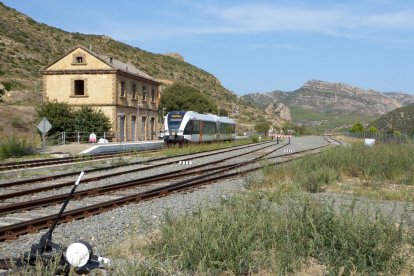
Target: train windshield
175	119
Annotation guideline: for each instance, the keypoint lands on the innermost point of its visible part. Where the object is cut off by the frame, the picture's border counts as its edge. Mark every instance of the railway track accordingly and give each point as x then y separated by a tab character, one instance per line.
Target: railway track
106	199
142	165
26	205
63	160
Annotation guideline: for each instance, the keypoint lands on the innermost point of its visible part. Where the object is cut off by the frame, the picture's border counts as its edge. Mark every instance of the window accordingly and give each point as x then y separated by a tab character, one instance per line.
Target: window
188	130
134	91
122	89
79	87
144	93
153	95
79	58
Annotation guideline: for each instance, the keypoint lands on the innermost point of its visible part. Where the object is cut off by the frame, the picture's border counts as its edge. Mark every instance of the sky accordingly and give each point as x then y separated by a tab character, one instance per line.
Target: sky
257	46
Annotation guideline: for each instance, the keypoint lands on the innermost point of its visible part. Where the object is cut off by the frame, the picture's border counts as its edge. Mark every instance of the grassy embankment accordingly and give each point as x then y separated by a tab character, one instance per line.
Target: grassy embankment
278	228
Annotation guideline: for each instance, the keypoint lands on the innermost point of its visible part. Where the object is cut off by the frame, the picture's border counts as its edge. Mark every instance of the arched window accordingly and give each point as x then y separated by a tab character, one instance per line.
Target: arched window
79	87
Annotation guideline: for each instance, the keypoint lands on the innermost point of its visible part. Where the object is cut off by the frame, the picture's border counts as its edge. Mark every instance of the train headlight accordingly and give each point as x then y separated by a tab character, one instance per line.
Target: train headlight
173	133
78	253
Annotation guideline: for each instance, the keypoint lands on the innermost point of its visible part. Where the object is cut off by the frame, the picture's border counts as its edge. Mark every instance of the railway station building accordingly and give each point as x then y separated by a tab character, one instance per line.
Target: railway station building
127	95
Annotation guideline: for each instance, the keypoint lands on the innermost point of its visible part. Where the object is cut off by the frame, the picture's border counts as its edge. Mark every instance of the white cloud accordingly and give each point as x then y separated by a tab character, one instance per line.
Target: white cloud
286	46
343	20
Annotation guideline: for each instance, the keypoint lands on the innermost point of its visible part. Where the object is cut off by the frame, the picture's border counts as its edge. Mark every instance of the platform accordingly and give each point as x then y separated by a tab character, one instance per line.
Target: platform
93	148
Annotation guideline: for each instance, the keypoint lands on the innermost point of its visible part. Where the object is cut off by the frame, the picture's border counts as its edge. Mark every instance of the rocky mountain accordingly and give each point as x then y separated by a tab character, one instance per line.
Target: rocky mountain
402	98
281	111
26	46
401	119
329	98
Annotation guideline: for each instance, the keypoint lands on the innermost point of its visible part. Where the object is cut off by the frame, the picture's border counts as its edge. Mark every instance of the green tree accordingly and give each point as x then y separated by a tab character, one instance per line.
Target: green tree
287	127
357	127
89	119
397	133
65	118
373	129
60	116
262	126
183	97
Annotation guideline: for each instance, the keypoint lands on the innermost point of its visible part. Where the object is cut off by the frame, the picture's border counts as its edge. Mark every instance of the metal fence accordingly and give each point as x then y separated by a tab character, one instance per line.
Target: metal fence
62	138
382	137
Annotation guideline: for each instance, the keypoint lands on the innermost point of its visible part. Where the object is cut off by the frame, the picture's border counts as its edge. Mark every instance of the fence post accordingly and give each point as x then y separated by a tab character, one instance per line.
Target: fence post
78	136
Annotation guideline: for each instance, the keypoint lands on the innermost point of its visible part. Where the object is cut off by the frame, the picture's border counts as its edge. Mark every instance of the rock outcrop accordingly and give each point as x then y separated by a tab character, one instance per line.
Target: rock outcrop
175	55
281	110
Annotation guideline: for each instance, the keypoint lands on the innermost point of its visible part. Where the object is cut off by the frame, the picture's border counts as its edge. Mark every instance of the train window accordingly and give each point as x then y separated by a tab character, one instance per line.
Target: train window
188	128
79	87
227	128
209	128
196	127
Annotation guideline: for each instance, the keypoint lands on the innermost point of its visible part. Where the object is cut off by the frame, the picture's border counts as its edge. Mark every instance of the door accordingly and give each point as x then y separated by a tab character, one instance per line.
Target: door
133	123
121	128
152	128
143	130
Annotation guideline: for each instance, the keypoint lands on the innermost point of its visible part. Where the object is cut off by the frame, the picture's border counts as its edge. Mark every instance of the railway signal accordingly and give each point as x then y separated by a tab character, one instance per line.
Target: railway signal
78	255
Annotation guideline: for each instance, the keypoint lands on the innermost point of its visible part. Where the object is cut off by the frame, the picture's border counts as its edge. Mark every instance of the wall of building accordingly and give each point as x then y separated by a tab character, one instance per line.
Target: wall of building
108	89
98	88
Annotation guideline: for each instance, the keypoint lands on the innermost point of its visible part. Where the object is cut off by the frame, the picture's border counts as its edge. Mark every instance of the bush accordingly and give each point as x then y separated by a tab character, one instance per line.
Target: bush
250	235
373	129
357	127
65	118
262	126
255	138
15	148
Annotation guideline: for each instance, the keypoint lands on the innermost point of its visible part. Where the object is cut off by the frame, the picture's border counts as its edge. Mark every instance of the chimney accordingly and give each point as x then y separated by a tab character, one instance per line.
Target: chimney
90	48
110	60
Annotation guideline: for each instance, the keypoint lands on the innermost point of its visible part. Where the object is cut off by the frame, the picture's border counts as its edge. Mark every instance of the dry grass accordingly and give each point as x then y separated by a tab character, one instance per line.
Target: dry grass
373	189
18	121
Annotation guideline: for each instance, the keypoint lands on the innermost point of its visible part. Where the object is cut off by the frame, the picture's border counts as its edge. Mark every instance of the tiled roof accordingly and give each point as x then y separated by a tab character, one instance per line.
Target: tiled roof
127	67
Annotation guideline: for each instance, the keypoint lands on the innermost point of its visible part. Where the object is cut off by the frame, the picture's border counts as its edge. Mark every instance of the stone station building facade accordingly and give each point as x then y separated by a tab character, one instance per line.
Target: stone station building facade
128	96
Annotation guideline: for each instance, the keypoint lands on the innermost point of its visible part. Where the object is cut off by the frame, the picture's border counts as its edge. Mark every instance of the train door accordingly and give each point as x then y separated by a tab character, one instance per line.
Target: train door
121	128
200	139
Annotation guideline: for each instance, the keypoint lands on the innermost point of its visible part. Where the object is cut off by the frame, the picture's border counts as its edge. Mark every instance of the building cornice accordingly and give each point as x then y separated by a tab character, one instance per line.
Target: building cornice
98	72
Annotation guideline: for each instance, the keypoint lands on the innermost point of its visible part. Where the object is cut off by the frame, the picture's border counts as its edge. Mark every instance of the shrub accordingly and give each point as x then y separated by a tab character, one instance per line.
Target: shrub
15	148
250	235
357	127
255	138
17	122
373	129
262	126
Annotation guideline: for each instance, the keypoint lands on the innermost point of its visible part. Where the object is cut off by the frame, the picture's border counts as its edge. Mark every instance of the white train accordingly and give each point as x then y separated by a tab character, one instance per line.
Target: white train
190	126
